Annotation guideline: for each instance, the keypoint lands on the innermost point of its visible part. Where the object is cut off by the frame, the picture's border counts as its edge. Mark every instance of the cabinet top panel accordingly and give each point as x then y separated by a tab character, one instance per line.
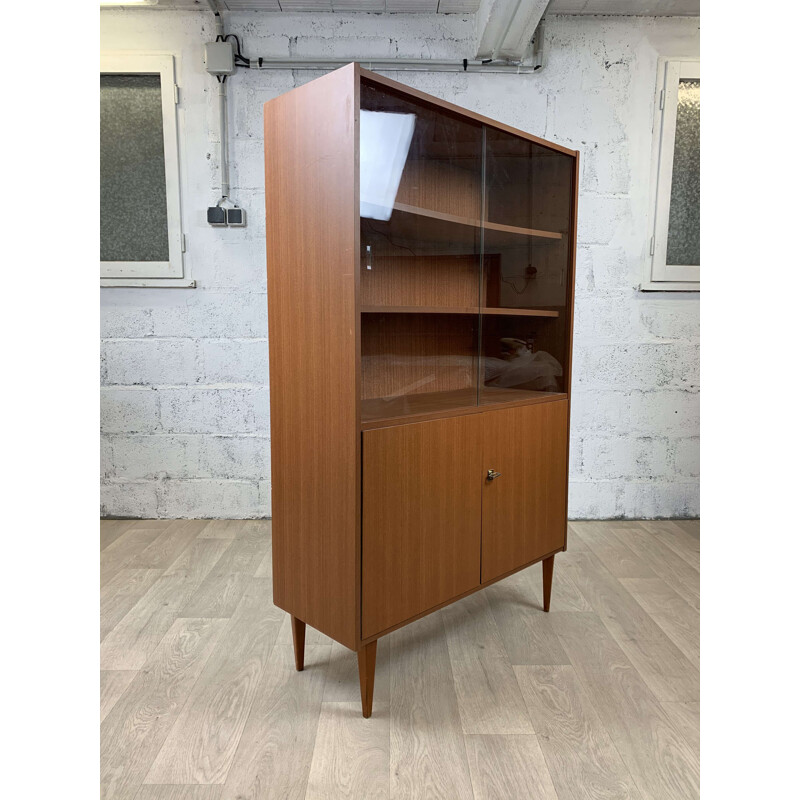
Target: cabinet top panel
444	104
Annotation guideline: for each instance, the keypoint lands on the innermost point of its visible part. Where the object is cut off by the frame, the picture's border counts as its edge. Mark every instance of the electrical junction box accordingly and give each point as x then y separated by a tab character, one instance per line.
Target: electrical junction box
219	58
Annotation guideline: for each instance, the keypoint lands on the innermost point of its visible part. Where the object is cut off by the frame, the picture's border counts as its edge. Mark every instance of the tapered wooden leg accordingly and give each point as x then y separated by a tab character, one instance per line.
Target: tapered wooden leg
299	638
366	675
547	580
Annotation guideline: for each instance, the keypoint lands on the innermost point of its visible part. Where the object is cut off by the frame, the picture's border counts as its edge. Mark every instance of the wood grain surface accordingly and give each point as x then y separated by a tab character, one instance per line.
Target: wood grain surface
523	509
218	699
421	525
311	171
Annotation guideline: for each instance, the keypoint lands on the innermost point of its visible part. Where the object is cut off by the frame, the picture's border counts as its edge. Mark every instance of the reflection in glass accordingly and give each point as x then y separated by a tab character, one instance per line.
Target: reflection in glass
420	256
385	139
465	255
520	366
525	322
683	238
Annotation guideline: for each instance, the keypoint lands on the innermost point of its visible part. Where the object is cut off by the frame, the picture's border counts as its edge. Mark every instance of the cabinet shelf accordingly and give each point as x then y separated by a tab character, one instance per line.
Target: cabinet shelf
382	411
505	312
412	223
476	223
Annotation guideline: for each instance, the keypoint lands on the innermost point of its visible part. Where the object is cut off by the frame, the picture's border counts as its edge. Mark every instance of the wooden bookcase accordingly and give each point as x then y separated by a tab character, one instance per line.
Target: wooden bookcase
420	265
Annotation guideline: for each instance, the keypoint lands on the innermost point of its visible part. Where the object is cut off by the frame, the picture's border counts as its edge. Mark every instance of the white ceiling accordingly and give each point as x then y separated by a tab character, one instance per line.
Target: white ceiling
628	8
398	6
645	8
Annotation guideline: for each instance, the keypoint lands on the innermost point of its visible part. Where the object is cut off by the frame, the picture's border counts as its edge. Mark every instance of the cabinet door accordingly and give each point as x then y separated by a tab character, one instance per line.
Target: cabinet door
421	518
524	509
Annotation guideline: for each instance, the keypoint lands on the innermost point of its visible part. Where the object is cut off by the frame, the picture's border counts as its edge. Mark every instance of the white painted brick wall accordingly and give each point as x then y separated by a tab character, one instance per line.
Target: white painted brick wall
185	399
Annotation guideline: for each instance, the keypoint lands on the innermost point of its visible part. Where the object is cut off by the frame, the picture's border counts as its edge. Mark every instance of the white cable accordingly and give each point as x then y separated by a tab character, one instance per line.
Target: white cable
222	96
223	140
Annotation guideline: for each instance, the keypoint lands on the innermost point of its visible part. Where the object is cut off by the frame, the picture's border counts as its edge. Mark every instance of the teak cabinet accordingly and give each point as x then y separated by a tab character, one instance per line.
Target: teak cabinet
420	268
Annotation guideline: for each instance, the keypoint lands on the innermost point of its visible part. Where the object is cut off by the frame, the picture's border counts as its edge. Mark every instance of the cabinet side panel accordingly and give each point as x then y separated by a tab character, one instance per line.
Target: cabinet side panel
311	172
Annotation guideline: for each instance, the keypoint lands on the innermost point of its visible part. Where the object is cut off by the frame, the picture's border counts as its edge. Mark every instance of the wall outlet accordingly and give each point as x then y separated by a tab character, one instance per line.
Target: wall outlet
217	215
236	217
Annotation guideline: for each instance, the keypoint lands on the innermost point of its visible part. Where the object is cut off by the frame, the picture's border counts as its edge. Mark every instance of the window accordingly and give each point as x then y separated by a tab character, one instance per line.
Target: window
674	263
141	242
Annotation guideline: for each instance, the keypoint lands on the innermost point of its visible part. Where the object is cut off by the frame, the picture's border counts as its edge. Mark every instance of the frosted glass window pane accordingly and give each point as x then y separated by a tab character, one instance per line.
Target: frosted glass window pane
683	239
133	189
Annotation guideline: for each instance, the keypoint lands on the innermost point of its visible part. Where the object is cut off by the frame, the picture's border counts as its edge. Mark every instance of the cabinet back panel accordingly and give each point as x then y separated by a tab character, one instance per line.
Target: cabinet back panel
442	186
404	354
311	174
444	281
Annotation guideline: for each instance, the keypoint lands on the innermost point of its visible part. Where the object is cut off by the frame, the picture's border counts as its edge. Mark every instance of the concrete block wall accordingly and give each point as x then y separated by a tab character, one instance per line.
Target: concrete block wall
185	398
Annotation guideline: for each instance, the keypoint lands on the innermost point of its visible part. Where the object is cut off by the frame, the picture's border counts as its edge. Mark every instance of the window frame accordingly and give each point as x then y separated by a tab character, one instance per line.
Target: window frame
154	273
660	276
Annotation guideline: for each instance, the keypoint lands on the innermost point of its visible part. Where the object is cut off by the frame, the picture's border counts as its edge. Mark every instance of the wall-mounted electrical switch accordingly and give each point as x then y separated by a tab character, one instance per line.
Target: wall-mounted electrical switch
236	217
216	215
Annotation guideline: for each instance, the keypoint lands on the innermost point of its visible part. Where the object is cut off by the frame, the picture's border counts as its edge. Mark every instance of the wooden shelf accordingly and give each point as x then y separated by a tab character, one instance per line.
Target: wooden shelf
476	223
418	310
419	225
519	312
383	411
504	312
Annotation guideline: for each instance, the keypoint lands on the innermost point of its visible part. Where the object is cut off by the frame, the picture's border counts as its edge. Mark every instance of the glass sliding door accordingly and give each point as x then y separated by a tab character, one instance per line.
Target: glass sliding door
526	289
420	199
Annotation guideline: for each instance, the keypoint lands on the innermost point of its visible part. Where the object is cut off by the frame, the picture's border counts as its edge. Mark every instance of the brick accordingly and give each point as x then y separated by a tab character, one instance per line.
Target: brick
238	361
129	500
154	456
611	269
604	319
671	319
665	413
582	111
652	500
214	315
151	362
236	457
125	323
215	410
593	500
687	457
601	218
575	456
599	410
128	410
584	273
668	365
606	170
237	265
265	497
225	499
625	457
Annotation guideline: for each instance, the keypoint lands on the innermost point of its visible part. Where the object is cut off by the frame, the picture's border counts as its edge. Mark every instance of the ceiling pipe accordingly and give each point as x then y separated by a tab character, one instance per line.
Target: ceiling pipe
395	64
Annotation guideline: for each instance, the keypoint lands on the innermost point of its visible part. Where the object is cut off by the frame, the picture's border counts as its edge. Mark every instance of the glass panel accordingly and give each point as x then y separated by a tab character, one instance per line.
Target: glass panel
420	255
683	238
526	268
133	198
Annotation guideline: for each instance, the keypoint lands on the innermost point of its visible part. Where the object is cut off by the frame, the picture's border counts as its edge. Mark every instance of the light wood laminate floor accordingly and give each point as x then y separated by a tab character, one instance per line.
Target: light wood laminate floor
488	698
